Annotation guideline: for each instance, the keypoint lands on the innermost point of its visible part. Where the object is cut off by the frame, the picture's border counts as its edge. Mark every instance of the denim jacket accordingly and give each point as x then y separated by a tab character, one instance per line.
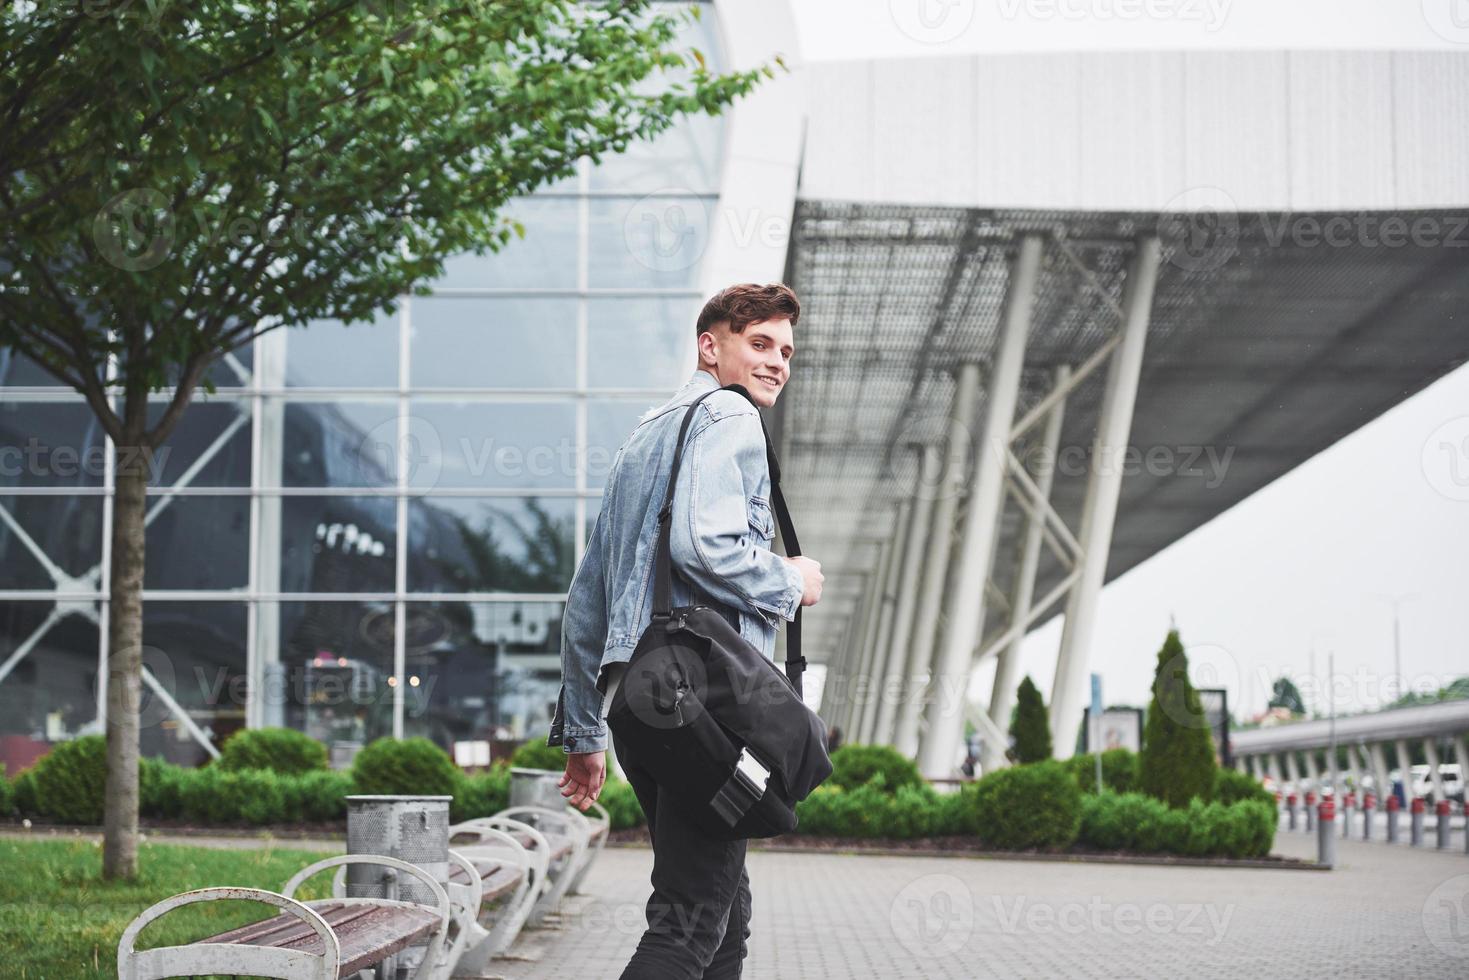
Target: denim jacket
722	527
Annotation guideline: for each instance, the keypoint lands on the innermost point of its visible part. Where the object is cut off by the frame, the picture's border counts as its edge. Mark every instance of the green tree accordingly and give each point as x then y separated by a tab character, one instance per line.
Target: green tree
1284	694
1031	728
1177	758
176	179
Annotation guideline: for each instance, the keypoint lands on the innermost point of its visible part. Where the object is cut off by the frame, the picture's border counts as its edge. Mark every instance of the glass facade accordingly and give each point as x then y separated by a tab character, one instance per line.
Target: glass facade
369	529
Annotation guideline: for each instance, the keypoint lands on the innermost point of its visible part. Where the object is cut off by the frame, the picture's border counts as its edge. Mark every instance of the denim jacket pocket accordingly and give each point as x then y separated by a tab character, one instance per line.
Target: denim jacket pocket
762	520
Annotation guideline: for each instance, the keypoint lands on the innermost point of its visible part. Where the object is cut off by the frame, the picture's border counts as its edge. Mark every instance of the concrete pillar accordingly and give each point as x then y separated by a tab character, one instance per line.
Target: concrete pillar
1007	664
1104	485
901	662
265	704
859	686
878	672
1382	782
1293	773
1405	770
941	534
944	710
1430	752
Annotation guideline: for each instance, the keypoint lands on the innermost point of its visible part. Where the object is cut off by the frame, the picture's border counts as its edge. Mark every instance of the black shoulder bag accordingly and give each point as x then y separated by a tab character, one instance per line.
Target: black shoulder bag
718	725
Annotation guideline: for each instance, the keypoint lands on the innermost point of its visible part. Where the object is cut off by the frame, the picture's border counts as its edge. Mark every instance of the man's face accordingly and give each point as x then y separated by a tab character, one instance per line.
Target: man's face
758	357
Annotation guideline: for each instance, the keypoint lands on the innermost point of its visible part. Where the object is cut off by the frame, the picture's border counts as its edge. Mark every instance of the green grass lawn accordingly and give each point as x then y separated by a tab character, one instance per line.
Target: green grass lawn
60	921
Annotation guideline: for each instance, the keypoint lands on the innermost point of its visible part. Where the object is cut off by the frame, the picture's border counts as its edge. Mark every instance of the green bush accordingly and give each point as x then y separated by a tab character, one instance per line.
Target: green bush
161	788
70	780
1031	728
250	796
389	766
1142	824
281	750
1119	771
622	804
481	794
536	754
1177	760
7	797
1031	806
853	765
24	797
315	797
1231	786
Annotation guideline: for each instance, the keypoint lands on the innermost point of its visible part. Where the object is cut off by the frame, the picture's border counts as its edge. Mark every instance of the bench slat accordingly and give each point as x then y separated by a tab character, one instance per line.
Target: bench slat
368	934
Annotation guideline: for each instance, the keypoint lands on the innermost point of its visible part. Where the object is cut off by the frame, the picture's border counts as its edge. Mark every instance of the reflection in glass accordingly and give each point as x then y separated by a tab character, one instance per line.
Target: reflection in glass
67	531
338	544
646	242
483	670
500	444
544	258
17	370
336	665
218	432
196	652
51	444
339	444
198	543
50	694
641	342
609	423
477	342
331	354
499	544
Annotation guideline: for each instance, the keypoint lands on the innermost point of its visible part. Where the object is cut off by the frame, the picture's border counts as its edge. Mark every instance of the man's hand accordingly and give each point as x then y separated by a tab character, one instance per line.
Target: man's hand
582	782
812	578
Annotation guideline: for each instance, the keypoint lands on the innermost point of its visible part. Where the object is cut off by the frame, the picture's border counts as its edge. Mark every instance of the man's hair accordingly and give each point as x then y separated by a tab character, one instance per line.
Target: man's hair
747	303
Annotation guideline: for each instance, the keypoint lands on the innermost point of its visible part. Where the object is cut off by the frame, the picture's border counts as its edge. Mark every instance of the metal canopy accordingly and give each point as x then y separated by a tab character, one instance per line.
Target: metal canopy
1263	349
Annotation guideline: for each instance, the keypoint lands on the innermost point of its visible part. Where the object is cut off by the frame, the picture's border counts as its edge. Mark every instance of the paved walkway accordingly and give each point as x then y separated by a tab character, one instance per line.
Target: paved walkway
1385	911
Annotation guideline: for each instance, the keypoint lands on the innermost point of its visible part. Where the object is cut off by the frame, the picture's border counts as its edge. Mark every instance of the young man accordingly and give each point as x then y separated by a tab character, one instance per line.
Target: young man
720	536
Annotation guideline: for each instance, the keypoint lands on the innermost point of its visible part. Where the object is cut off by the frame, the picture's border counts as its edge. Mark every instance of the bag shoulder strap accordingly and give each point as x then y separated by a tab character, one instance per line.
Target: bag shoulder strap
795	664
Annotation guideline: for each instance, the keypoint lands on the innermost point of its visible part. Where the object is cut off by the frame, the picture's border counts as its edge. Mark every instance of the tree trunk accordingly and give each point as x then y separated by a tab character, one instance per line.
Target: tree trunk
124	665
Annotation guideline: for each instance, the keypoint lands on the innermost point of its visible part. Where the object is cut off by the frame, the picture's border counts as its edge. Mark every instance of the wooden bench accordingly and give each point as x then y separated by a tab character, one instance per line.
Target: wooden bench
327	939
512	859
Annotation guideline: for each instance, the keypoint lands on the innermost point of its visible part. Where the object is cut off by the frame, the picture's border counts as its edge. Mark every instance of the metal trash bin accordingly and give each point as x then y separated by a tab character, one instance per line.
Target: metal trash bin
410	828
536	787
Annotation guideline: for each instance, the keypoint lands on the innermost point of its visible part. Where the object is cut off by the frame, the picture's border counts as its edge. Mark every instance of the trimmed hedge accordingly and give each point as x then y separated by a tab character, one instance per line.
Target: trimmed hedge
1144	824
1119	771
280	750
871	811
389	766
24	798
854	765
7	796
1031	806
70	779
536	754
1231	786
622	804
482	794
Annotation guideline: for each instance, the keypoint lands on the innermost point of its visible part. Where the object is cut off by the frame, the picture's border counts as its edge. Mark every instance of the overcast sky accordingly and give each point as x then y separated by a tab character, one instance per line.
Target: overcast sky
1302	563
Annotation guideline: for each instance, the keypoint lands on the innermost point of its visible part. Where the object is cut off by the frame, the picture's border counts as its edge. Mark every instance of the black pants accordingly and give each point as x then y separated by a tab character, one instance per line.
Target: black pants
699	913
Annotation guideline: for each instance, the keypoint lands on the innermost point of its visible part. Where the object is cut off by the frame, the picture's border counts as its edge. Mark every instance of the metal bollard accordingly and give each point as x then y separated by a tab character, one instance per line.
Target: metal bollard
1369	804
1444	809
1310	812
1326	836
1348	802
1290	804
1392	819
1415	833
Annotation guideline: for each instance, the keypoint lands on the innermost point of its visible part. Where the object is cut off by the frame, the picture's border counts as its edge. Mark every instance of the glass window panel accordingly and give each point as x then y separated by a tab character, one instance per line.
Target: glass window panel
332	354
217	433
484	670
494	444
17	370
196	652
66	530
609	423
198	543
478	342
646	242
497	544
51	694
232	371
51	444
545	258
641	341
336	664
682	159
337	544
338	444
